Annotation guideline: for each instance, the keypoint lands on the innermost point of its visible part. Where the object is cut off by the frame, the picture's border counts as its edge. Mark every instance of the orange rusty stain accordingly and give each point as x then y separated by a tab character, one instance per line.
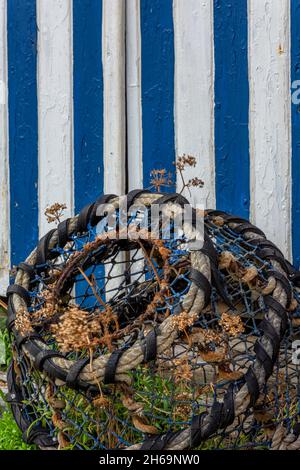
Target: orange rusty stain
280	49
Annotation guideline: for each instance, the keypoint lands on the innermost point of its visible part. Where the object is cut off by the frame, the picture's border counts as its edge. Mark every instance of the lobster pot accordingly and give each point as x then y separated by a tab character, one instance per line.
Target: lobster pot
131	333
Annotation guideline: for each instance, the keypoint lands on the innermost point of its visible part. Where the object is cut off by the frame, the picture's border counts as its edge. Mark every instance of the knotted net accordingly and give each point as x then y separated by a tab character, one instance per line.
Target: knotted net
123	339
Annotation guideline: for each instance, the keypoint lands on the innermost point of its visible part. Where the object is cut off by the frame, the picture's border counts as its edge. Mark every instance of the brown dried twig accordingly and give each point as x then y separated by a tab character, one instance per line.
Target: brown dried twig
92	283
3	305
54	212
160	178
181	163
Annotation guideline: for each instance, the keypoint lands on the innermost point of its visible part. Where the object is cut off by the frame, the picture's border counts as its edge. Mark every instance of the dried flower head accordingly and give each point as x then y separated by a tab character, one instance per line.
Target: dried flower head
231	324
54	212
76	330
160	178
22	323
195	182
185	160
183	321
211	336
48	309
184	371
183	406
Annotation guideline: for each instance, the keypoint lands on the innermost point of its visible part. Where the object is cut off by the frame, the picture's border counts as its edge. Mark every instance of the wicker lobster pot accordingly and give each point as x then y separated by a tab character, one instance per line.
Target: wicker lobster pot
123	339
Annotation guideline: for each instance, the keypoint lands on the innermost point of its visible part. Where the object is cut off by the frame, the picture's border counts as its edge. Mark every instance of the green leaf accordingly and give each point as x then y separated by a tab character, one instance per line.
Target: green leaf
2	351
10	436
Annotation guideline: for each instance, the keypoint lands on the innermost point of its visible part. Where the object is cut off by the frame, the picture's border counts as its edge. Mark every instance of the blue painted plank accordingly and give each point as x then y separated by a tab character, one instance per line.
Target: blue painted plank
231	106
88	112
157	49
23	134
88	101
295	114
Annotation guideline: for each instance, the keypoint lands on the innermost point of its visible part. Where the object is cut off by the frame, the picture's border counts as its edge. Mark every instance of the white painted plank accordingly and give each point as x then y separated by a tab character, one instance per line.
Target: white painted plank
54	18
4	167
269	120
133	94
194	93
134	112
113	57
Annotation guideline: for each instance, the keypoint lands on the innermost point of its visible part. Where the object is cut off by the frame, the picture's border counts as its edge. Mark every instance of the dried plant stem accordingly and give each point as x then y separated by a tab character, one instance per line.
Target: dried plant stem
184	184
149	261
92	284
3	305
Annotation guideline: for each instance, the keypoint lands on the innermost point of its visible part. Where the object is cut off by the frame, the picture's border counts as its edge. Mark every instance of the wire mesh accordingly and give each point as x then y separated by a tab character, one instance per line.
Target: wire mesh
99	294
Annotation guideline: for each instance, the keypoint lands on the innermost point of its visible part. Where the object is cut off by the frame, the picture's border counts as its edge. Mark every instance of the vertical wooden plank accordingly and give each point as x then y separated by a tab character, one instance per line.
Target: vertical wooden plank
157	46
88	101
4	170
133	95
88	109
270	97
231	106
134	112
113	56
54	19
295	112
23	126
194	97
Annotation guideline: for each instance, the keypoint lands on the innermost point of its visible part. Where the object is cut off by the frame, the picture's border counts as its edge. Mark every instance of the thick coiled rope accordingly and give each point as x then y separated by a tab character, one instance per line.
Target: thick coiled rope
222	414
284	440
91	374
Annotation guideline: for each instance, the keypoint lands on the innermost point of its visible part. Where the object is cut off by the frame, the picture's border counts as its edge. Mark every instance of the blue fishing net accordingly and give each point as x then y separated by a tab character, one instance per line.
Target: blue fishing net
141	342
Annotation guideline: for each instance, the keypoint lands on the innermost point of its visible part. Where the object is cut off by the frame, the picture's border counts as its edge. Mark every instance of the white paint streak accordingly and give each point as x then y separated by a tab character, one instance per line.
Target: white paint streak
4	168
113	56
133	94
134	113
194	93
270	128
55	95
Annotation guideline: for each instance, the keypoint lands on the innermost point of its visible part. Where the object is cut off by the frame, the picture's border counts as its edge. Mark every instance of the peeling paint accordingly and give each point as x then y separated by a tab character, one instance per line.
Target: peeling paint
133	95
88	101
157	82
23	128
270	120
113	58
4	167
194	96
231	107
55	94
